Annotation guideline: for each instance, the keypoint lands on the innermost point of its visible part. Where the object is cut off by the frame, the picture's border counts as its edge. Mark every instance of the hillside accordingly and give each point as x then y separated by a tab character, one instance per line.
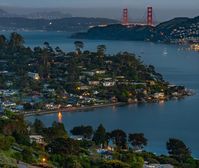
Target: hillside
176	29
64	24
117	32
180	28
3	13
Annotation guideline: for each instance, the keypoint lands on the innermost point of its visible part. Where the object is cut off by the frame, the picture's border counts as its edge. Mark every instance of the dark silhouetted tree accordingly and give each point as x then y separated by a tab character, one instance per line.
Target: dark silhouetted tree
119	138
178	150
100	135
137	140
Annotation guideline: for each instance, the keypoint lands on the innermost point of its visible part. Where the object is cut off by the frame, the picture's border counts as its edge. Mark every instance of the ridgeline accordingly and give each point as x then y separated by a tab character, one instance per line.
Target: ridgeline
175	30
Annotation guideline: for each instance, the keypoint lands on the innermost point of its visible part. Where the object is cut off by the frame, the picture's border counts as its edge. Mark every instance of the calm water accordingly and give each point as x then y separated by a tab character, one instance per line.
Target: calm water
179	119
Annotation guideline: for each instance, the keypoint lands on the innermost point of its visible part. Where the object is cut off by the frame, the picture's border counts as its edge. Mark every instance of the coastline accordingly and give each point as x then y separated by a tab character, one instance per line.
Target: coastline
75	109
70	109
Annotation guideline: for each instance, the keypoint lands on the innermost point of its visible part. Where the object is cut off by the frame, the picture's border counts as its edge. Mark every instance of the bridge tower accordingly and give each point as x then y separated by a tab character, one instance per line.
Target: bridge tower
125	19
149	16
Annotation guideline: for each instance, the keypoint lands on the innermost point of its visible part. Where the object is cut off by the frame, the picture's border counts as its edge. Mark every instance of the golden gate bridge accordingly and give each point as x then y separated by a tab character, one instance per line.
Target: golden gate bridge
149	18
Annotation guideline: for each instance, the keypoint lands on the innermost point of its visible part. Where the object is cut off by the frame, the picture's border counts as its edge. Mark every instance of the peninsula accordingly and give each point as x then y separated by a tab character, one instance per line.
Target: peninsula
177	30
44	79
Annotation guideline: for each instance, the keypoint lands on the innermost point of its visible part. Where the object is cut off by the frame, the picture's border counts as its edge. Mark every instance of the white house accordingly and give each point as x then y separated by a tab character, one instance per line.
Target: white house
37	138
100	72
108	83
35	76
159	95
89	73
94	83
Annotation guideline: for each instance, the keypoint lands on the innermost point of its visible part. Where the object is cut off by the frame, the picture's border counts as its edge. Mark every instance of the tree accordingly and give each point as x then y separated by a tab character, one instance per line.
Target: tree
138	141
56	131
100	135
119	138
79	45
38	126
3	41
16	40
101	49
27	155
45	64
88	132
107	138
132	159
72	162
21	138
64	147
6	142
46	44
177	149
114	164
16	127
85	131
48	47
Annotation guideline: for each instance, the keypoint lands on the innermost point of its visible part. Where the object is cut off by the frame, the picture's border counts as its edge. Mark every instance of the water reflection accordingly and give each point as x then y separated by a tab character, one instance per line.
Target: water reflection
165	52
60	117
114	109
161	102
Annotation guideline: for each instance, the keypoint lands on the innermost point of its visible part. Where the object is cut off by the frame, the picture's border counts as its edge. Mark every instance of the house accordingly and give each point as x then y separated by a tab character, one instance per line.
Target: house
77	137
106	153
120	77
9	83
139	83
123	82
82	77
88	73
37	138
100	72
50	106
19	107
83	87
3	72
108	83
159	95
94	83
95	92
114	99
107	79
34	76
108	62
8	92
146	165
151	82
8	104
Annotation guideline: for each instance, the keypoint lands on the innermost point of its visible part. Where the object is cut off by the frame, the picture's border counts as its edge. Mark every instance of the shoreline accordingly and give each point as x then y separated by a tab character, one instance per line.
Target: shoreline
70	109
75	109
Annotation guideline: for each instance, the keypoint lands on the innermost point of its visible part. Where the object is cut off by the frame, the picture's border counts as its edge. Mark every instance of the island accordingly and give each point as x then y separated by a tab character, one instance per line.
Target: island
43	79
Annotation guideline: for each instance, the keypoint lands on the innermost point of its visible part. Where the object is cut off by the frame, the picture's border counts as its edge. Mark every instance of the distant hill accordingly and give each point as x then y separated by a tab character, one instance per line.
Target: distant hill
117	32
3	13
179	28
37	15
176	29
47	15
64	24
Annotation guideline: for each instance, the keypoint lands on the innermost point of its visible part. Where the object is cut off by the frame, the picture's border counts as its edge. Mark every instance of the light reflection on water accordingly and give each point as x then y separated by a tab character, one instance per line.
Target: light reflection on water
59	116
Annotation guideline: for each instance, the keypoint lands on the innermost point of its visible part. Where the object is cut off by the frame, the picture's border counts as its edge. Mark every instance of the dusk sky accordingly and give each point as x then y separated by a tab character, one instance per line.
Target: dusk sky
164	9
102	3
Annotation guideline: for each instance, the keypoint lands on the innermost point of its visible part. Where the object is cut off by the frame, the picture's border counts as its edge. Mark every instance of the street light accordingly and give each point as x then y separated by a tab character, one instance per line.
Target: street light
43	160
